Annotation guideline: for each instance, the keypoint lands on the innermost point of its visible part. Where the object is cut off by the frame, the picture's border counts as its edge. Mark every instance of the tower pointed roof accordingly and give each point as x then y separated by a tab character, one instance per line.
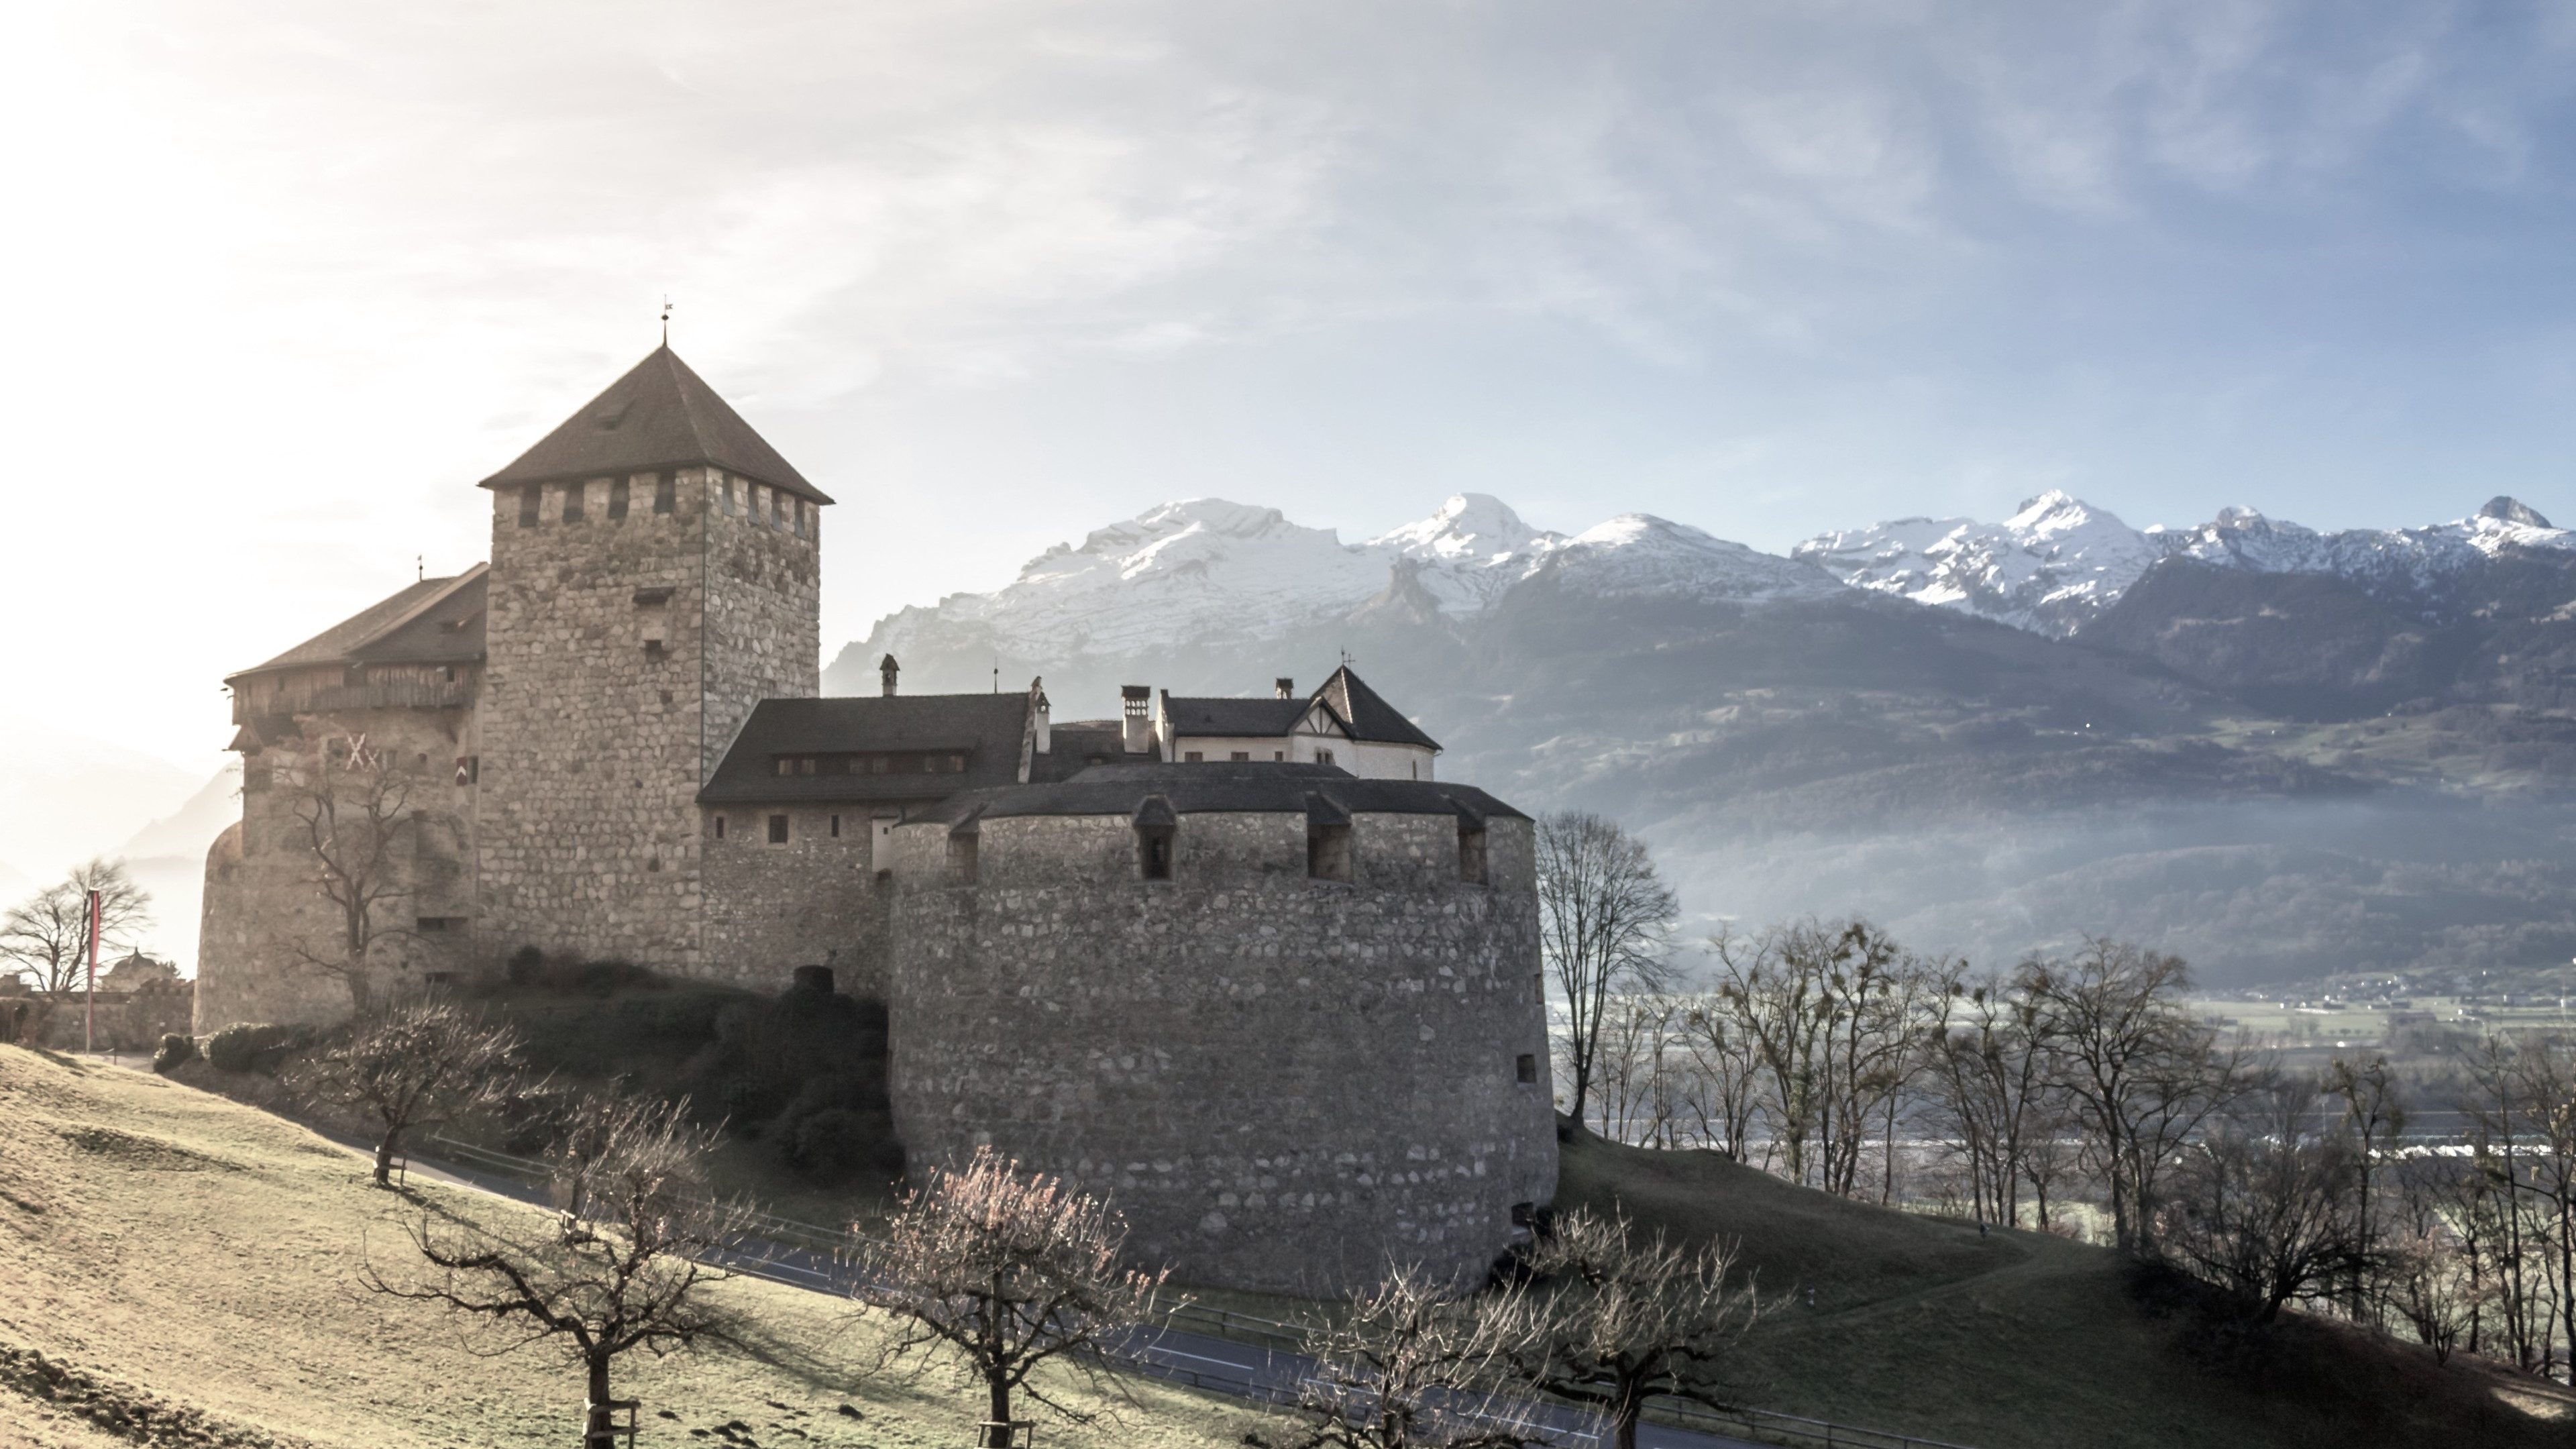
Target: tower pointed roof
1368	716
659	415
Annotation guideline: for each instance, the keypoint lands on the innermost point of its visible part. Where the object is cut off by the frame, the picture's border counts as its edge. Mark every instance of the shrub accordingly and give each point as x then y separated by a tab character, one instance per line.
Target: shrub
527	964
840	1140
256	1047
177	1050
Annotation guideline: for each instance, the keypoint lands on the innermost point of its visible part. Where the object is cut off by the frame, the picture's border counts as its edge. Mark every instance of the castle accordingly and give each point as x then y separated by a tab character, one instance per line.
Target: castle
1244	965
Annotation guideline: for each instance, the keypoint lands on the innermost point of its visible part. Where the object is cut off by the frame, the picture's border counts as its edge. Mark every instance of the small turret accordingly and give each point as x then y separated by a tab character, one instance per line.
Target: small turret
887	669
1283	688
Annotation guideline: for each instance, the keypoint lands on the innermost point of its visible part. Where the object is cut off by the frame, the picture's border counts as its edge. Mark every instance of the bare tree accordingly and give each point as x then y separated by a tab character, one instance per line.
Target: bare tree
623	1263
1411	1365
1003	1271
410	1067
1836	1014
354	803
1990	1080
2141	1076
44	940
1719	1089
1603	919
2434	1268
2374	1112
1615	1317
1636	1096
2263	1205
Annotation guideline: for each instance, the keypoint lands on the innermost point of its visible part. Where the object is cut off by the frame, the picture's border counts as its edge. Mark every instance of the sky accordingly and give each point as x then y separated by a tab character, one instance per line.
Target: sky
285	279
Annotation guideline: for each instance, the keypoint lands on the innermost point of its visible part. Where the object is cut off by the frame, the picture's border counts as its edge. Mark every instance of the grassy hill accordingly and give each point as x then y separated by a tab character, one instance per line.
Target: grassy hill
184	1260
2022	1339
190	1261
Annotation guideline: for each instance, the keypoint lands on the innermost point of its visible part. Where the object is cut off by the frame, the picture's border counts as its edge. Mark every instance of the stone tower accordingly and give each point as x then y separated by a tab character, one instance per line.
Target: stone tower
654	575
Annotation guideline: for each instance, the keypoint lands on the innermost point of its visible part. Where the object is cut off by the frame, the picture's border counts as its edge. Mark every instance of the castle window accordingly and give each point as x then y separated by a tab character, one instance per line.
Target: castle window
572	501
1156	826
805	516
434	925
1323	757
724	495
532	501
666	494
805	766
1471	852
963	851
778	830
1241	756
1526	1069
1328	840
836	827
719	827
1192	757
1278	754
617	499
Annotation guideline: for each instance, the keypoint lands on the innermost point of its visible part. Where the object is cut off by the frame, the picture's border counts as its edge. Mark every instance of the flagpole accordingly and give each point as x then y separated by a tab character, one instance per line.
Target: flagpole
89	1008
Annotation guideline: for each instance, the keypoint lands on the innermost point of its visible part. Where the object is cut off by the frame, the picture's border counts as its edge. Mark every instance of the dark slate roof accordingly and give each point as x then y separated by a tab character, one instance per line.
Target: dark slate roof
1071	746
988	727
1271	718
1368	717
412	615
1258	787
659	415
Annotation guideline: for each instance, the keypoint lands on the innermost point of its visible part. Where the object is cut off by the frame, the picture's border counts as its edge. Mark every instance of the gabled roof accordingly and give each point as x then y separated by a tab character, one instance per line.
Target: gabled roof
988	728
1368	717
659	415
433	621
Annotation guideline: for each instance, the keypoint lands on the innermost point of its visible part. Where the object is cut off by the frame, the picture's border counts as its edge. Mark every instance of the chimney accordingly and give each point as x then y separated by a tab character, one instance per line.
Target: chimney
1285	688
1039	723
887	669
1135	706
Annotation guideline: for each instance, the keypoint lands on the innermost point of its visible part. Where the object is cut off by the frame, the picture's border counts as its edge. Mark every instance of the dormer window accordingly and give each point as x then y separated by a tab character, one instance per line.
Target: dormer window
1156	828
1471	849
1328	840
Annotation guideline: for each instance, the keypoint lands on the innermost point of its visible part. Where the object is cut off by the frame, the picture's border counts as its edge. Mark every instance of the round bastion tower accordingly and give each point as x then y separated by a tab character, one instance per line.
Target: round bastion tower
1288	1020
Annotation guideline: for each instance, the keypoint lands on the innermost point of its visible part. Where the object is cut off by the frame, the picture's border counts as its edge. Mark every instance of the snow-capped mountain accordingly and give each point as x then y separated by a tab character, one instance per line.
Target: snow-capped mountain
2059	562
1207	571
2048	568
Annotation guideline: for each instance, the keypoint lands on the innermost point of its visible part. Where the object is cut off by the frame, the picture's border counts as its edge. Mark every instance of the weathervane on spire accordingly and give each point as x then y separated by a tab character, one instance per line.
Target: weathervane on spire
666	319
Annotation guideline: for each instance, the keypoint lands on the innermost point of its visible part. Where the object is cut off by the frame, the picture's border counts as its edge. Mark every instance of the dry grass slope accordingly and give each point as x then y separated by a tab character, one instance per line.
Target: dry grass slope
2024	1341
170	1251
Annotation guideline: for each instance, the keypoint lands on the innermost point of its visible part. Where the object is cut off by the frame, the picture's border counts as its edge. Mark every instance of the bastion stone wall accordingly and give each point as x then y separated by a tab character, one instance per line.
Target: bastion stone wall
1284	1083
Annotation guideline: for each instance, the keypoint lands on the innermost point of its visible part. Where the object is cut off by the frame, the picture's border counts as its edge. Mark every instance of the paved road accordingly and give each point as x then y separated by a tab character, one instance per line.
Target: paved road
1216	1364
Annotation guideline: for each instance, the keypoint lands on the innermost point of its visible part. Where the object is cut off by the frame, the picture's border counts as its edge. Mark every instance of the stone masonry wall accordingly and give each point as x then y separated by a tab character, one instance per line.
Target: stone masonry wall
262	900
595	744
1283	1083
813	901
